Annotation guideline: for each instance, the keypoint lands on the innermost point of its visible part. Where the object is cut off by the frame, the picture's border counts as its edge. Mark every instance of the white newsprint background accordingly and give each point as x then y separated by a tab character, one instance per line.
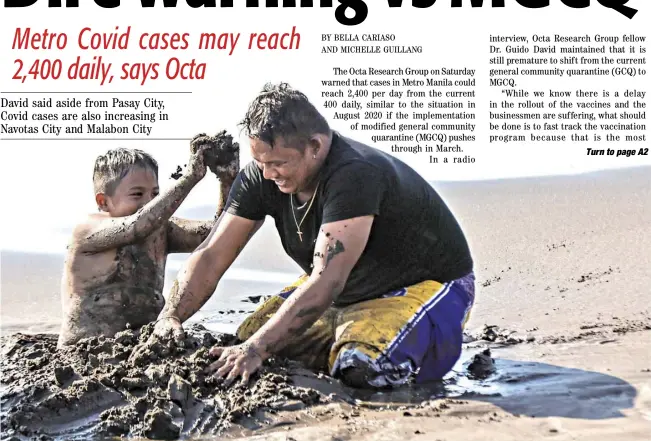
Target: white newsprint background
46	184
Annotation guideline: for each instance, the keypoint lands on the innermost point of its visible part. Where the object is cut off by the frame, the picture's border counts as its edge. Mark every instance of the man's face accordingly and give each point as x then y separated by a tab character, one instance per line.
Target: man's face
133	192
289	168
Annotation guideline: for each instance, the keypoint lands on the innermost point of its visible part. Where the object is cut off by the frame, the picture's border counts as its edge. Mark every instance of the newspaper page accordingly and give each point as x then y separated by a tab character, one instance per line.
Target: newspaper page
325	220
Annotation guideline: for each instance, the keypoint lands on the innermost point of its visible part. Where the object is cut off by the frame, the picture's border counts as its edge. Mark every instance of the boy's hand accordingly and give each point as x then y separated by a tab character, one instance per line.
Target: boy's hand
197	164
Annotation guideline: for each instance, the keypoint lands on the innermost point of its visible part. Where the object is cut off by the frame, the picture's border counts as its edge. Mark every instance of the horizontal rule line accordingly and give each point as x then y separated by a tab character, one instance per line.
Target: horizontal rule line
94	139
92	93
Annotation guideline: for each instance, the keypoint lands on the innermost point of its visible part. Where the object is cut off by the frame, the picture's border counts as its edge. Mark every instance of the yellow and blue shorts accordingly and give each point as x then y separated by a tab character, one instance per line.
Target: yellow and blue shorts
415	332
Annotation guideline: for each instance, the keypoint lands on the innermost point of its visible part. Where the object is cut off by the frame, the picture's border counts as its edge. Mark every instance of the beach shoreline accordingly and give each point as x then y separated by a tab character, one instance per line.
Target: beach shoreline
563	276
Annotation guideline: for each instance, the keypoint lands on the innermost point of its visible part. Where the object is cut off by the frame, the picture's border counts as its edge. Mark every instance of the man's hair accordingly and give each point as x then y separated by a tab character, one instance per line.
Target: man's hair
113	166
282	112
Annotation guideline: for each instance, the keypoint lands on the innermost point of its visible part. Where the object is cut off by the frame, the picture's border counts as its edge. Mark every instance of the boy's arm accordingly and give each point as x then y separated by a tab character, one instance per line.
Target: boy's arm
100	233
184	235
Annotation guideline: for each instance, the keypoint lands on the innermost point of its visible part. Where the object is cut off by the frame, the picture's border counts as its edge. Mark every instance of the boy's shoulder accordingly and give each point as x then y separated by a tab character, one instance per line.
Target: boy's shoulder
100	231
89	225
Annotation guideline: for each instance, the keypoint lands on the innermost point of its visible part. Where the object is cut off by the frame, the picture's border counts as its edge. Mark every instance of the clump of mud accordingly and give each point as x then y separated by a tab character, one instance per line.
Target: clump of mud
96	389
221	153
482	365
495	334
177	174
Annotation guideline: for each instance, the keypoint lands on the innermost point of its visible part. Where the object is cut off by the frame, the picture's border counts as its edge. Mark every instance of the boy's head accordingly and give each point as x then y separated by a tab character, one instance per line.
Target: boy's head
124	180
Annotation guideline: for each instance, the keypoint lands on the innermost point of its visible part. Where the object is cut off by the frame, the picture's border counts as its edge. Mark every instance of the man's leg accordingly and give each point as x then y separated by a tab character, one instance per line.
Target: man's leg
414	332
311	348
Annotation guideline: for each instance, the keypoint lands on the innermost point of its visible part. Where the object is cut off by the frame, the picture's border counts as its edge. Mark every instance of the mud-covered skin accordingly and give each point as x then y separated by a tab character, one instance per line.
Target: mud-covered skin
94	388
115	268
185	234
222	156
111	291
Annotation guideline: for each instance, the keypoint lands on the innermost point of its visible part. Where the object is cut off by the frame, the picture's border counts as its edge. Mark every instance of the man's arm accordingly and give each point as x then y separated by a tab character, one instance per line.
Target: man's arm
184	235
338	248
202	271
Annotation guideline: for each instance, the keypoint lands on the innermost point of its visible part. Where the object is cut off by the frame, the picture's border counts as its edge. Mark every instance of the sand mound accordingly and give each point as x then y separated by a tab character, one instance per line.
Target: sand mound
92	388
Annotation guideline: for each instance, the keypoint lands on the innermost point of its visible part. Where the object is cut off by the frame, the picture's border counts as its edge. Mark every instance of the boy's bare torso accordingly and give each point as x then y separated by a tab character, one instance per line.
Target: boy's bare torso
107	291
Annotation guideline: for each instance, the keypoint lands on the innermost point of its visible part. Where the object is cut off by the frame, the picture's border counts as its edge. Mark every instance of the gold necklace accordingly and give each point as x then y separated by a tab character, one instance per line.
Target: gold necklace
298	224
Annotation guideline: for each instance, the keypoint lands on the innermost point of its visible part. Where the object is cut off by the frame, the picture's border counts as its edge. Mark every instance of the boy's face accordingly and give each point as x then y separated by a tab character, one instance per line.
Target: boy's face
133	192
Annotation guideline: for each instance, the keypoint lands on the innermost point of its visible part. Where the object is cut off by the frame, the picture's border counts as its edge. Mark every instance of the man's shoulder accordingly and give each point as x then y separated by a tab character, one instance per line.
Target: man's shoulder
251	170
359	154
250	178
359	161
391	167
346	152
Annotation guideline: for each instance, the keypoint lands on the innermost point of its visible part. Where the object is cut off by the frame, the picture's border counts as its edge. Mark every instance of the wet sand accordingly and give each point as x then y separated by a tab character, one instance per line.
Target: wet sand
563	275
102	387
505	384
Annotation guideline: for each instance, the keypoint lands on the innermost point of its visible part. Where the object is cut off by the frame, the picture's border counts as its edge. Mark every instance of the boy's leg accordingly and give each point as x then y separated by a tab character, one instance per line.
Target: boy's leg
413	332
311	348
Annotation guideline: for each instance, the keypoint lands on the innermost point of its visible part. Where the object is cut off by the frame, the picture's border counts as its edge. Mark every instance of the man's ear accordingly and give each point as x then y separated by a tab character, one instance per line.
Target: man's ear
100	199
316	143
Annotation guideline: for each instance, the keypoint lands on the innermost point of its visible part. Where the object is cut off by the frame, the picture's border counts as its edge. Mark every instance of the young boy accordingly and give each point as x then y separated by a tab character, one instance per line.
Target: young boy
115	267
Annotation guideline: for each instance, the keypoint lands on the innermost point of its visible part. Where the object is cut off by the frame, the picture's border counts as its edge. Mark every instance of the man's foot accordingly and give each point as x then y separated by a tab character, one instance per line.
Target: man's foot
358	376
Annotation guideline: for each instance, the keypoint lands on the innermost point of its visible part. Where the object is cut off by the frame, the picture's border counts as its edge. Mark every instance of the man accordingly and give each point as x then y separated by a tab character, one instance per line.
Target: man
388	281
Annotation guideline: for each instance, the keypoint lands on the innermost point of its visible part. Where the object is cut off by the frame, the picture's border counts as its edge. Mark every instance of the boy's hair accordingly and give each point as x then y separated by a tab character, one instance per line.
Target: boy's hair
113	166
282	112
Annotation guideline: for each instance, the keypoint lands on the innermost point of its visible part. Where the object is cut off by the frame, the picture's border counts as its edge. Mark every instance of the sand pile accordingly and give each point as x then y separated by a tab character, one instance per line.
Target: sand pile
94	389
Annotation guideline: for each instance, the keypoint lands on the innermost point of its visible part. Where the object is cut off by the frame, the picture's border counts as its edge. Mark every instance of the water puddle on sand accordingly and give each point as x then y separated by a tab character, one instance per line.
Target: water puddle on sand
519	387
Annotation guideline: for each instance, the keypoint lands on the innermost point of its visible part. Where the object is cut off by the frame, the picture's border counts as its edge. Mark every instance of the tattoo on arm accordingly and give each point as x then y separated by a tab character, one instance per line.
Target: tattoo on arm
306	318
334	250
309	312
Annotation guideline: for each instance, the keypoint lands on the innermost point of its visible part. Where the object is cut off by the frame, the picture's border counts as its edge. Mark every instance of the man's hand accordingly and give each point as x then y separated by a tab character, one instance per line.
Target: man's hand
236	361
166	328
222	154
228	172
169	327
